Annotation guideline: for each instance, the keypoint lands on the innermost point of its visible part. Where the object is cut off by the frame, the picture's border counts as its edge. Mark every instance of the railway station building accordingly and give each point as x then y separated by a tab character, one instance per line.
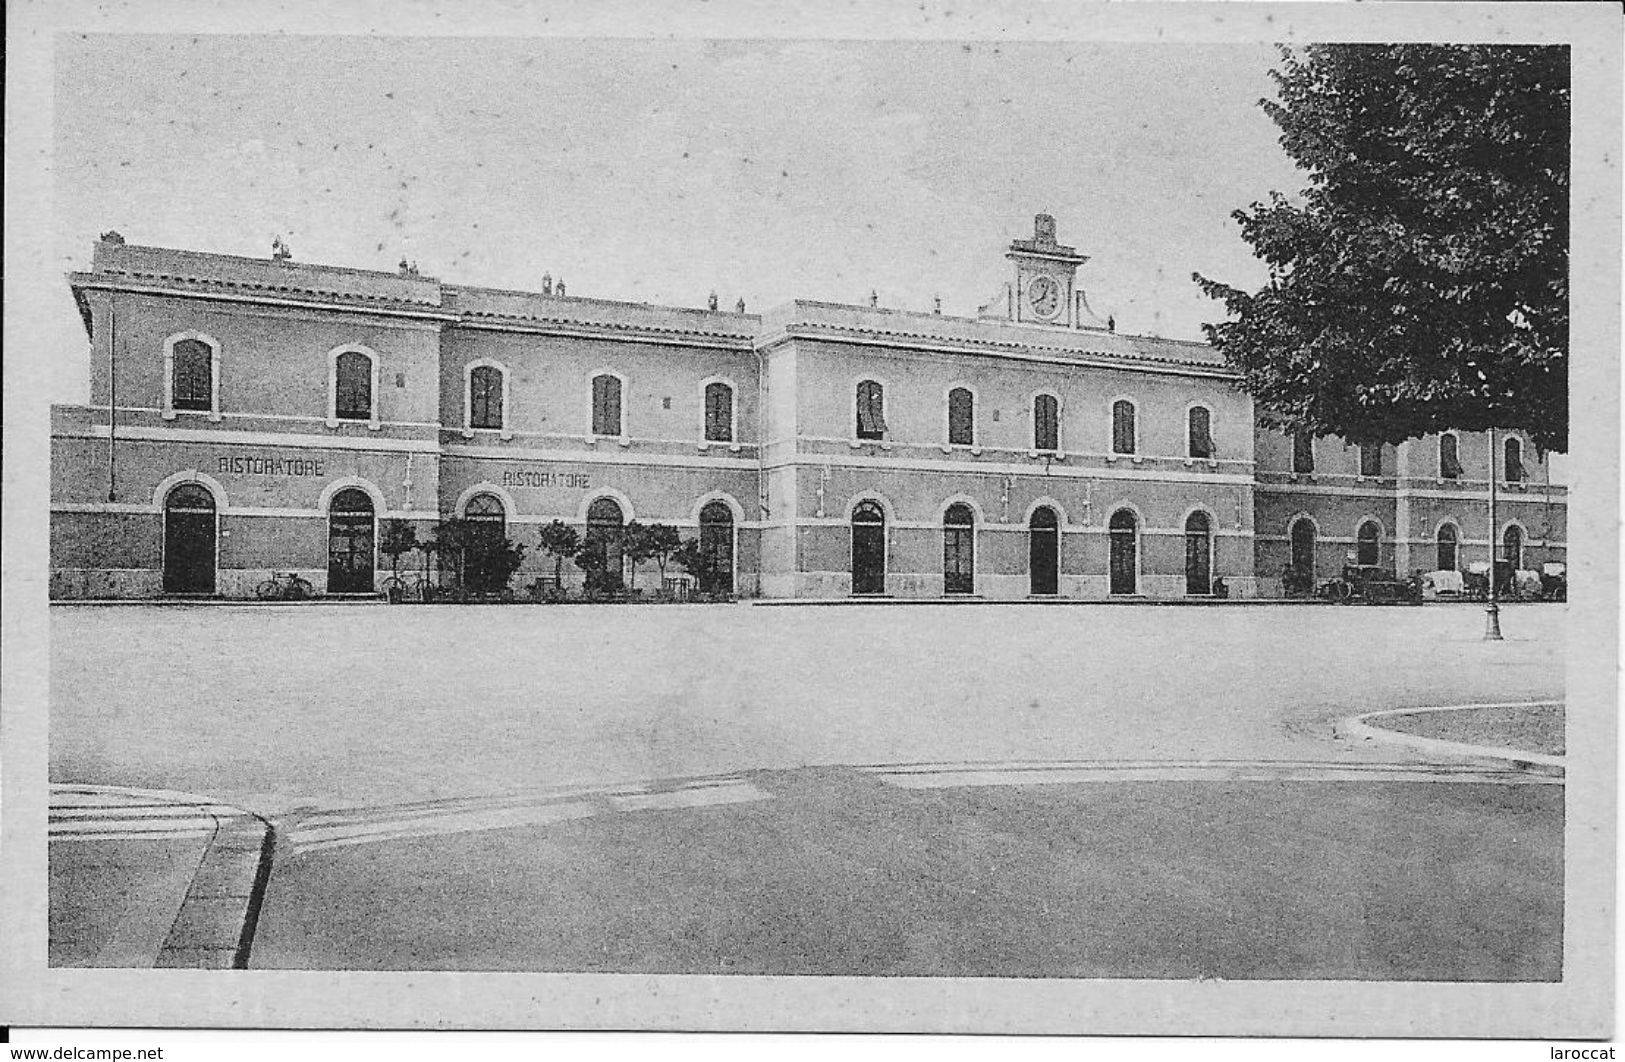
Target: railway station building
253	416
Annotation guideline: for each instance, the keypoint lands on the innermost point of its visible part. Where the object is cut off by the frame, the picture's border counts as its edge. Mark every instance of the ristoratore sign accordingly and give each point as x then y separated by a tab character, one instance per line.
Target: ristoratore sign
269	465
541	478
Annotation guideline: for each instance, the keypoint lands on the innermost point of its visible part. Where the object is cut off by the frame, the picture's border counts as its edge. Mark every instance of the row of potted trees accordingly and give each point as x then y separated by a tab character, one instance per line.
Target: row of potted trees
464	560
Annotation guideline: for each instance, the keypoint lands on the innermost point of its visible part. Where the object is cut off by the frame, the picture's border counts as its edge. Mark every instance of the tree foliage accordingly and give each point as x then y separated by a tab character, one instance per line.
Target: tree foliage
1420	281
561	541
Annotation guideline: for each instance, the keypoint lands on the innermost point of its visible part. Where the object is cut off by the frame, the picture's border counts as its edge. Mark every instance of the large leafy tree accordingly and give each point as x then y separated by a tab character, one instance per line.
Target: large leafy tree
1420	281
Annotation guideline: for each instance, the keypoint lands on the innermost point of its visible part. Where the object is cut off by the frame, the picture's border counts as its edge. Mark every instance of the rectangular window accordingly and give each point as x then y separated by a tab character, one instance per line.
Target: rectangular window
1046	423
1201	433
960	405
192	385
485	398
1303	453
1449	461
719	413
606	405
1371	460
1123	427
871	410
1514	461
352	399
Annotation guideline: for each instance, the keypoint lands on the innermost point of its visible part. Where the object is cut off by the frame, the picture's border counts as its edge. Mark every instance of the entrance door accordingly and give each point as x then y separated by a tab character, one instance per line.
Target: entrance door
717	549
606	534
350	543
959	550
868	549
1303	551
1198	555
189	535
487	534
1044	551
1125	553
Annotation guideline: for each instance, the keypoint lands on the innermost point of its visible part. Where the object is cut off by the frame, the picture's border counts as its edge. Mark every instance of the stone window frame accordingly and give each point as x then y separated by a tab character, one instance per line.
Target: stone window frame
169	412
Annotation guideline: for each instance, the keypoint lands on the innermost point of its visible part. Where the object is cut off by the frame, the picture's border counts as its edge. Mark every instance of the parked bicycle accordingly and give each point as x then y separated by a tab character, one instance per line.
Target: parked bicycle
284	586
398	589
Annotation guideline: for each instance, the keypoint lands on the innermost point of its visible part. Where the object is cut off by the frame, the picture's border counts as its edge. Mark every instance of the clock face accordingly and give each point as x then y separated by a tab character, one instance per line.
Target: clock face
1044	296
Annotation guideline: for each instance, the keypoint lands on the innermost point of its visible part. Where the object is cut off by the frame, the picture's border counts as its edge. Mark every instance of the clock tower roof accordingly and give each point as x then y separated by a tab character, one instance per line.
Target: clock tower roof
1043	244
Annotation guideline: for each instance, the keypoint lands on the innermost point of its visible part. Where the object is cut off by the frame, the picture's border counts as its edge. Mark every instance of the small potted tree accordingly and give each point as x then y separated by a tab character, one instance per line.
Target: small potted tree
692	559
597	584
399	538
662	542
635	549
563	542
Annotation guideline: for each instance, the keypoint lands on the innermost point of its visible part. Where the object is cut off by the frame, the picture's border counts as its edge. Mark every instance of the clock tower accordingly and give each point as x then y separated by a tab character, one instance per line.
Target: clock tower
1044	287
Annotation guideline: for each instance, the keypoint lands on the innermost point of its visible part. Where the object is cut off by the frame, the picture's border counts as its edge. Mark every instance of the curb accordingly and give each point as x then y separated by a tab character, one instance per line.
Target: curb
1357	728
214	926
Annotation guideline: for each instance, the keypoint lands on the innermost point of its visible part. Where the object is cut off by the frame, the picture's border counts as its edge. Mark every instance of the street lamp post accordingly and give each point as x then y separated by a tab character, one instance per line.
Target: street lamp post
1492	612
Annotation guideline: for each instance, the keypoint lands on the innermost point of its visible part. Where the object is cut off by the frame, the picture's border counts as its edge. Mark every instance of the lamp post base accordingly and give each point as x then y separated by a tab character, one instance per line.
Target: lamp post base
1492	623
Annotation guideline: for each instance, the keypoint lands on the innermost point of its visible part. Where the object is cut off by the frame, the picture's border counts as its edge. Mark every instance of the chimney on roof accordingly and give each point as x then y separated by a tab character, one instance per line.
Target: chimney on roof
936	304
739	307
559	289
547	283
279	249
1111	323
711	302
874	299
112	236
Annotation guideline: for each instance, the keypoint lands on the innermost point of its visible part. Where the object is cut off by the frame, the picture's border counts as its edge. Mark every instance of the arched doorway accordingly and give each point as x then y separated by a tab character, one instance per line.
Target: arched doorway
1512	546
487	531
1125	553
868	549
350	543
606	528
1044	551
1303	550
189	540
717	549
1368	544
1446	540
959	550
1198	554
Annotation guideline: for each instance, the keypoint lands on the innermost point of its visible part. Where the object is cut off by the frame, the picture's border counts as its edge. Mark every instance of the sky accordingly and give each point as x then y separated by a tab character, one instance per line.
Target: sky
661	170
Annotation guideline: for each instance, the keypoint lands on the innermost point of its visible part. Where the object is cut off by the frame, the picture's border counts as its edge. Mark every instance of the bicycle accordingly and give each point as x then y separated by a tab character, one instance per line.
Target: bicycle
284	586
397	589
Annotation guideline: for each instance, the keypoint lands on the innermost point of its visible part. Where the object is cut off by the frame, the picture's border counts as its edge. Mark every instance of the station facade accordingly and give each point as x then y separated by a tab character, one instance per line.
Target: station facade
256	416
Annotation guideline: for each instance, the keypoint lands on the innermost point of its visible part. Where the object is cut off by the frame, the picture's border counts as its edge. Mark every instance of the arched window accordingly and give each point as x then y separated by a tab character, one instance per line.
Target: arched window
1302	536
1512	546
719	412
959	550
1371	460
871	410
1513	463
1303	453
192	376
1198	554
1449	458
606	405
487	534
350	560
1201	432
1046	422
485	397
1124	436
1124	532
961	417
352	386
717	549
1368	543
1445	544
606	530
868	548
189	540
